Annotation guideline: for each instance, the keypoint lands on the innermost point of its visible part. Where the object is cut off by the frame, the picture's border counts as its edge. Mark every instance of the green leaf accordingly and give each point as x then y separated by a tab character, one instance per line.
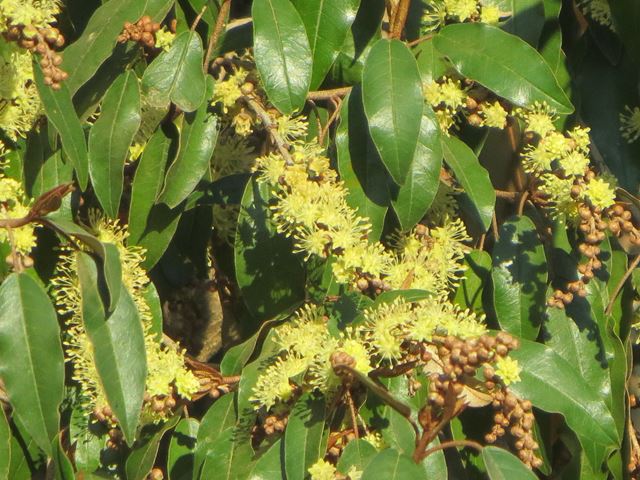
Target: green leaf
503	465
43	169
62	466
176	75
361	169
327	23
181	447
263	257
473	178
282	53
228	458
304	437
237	356
5	445
32	365
414	198
519	276
147	182
269	465
430	62
503	63
358	453
526	19
220	417
61	114
112	271
118	344
552	385
626	16
390	464
162	223
476	276
143	457
83	58
197	141
393	102
110	138
151	296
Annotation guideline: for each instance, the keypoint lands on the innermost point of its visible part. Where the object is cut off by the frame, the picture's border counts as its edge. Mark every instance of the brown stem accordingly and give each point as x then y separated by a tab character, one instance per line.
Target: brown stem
418	41
198	18
217	30
523	200
327	94
15	222
352	411
511	196
271	128
400	18
616	292
450	444
330	120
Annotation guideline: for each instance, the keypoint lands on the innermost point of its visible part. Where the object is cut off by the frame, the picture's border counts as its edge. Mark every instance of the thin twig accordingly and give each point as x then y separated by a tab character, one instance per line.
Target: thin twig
620	285
413	43
217	30
198	18
505	195
400	18
330	120
523	200
453	443
328	94
271	128
494	226
352	411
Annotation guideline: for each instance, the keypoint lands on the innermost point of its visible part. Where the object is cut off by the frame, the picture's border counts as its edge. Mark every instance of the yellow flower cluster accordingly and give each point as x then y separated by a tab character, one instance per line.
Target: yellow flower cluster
164	38
630	124
227	91
561	164
508	370
599	11
14	204
438	12
322	470
166	371
39	13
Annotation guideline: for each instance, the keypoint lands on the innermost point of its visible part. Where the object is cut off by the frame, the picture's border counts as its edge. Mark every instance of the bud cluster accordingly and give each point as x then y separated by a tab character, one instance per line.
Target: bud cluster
143	31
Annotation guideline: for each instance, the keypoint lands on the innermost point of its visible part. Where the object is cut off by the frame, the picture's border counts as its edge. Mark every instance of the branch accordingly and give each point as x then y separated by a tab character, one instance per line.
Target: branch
616	292
450	444
327	94
400	18
281	144
217	30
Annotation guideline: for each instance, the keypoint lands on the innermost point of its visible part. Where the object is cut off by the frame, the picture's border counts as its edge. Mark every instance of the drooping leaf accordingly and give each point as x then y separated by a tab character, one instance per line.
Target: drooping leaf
414	198
519	276
118	344
32	365
83	58
503	63
176	75
390	464
60	112
361	169
304	437
503	465
43	169
526	20
5	445
358	453
181	447
197	141
264	257
269	465
476	277
473	178
147	182
110	138
393	102
143	457
162	223
220	417
228	458
283	56
552	385
63	468
327	23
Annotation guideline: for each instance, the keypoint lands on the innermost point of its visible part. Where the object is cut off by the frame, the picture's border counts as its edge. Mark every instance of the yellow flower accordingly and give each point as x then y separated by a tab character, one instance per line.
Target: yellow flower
508	370
322	470
574	164
164	38
538	119
292	128
490	14
242	123
274	385
135	151
493	115
447	92
38	13
599	11
630	124
461	9
599	193
227	91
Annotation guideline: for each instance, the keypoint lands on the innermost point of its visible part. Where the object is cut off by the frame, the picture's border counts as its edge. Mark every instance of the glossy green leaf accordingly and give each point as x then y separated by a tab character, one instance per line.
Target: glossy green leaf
551	383
151	296
358	453
414	198
431	63
264	257
526	19
176	75
5	445
327	23
110	138
503	63
43	169
283	56
118	344
181	447
143	457
519	276
229	457
393	102
503	465
626	16
162	223
61	114
32	365
221	416
390	464
269	465
359	164
112	271
237	356
197	141
473	178
476	277
83	58
62	466
147	182
304	437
